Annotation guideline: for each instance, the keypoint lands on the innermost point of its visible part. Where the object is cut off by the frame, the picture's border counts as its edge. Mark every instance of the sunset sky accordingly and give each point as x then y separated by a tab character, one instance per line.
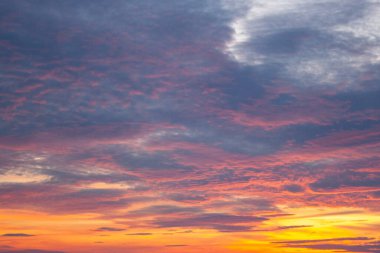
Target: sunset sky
189	126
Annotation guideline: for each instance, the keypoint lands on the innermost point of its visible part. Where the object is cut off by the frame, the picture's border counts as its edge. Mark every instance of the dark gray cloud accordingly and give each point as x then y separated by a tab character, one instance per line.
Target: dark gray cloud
293	188
157	161
17	235
284	42
218	221
65	199
294	226
373	247
188	197
327	240
347	179
30	251
109	229
245	205
140	234
367	245
164	210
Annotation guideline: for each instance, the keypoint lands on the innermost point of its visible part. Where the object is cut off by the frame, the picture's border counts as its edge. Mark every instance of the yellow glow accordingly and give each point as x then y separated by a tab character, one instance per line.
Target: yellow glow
23	177
102	185
80	232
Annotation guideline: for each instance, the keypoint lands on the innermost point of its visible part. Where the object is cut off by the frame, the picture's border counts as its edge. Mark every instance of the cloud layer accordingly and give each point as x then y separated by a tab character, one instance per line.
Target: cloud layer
221	124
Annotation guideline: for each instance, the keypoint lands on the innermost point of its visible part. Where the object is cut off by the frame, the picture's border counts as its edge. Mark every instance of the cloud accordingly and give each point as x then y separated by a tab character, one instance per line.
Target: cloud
218	221
163	210
157	161
282	107
245	205
327	240
109	229
30	251
294	226
187	198
87	200
315	43
373	247
17	235
140	234
230	115
347	179
295	188
368	245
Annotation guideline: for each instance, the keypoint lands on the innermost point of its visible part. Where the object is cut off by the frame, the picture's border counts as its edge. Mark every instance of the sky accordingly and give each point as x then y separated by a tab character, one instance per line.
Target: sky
192	126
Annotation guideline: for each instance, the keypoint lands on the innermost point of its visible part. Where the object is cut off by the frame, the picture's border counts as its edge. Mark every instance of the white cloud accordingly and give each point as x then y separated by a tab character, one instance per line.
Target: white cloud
315	42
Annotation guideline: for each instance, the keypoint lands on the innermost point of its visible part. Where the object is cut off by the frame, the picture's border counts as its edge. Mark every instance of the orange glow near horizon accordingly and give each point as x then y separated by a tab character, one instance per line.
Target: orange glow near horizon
78	233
